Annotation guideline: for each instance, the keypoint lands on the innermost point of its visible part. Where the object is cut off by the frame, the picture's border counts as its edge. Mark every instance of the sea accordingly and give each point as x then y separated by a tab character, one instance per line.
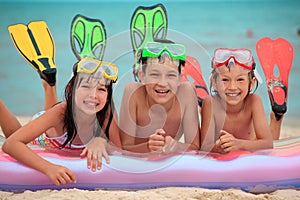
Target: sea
202	26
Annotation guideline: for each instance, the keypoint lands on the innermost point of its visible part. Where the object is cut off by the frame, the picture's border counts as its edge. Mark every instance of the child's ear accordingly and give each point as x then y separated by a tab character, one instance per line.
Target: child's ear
141	76
213	83
253	80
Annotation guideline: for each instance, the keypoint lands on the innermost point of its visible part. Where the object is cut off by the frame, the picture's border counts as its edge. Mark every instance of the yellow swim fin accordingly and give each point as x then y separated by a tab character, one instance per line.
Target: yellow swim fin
34	42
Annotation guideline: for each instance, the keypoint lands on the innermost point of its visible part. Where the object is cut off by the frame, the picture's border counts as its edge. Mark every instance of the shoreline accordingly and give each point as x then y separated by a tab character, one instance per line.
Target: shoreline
289	128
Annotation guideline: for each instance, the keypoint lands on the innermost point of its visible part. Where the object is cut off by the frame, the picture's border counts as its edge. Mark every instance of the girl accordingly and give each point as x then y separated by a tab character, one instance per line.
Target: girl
82	122
233	118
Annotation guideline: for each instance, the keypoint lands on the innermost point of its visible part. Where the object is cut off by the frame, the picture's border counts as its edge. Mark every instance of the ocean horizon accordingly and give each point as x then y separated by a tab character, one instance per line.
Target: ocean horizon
201	25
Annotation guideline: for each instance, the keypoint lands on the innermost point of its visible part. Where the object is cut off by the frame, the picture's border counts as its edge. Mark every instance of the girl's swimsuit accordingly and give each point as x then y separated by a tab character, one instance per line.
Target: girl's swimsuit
55	142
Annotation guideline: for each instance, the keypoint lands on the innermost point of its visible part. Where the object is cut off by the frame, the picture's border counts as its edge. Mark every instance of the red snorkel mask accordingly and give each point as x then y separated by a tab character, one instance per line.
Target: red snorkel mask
243	57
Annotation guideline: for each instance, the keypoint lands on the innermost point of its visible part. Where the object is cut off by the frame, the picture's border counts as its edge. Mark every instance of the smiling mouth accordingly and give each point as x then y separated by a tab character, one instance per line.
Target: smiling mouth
233	94
91	104
162	91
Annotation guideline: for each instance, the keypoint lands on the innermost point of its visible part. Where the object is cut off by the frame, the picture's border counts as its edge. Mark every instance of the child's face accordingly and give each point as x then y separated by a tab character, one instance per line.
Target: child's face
161	79
91	95
233	84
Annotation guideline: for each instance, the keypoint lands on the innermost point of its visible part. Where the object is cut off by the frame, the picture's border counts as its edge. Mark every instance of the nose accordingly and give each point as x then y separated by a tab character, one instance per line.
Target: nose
232	85
93	92
163	81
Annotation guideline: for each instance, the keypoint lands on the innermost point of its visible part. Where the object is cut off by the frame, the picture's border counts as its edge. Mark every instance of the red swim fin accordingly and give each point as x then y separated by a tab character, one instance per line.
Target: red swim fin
192	69
278	53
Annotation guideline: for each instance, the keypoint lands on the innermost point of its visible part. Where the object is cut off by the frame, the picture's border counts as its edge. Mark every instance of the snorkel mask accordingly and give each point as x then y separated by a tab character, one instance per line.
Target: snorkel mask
96	69
92	95
156	49
161	50
224	57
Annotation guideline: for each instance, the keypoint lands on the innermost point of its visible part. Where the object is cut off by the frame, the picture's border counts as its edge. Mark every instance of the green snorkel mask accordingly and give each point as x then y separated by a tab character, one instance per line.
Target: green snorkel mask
156	49
147	24
88	37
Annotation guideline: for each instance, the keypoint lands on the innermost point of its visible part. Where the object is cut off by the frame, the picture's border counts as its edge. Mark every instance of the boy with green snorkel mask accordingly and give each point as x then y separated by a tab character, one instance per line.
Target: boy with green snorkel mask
156	112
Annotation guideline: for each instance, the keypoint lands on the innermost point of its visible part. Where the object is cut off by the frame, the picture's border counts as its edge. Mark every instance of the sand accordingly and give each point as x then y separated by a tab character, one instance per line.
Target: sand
289	129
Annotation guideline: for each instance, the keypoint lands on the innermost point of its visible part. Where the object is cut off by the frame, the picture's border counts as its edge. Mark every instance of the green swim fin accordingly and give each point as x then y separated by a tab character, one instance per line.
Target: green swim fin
147	24
34	42
88	37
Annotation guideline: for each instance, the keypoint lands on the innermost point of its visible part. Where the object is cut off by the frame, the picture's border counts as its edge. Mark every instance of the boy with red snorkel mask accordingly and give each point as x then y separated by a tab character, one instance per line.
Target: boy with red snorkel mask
233	118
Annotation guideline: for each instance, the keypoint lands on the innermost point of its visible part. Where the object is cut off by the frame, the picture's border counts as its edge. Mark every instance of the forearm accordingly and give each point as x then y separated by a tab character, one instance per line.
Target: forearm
138	148
179	147
25	155
256	144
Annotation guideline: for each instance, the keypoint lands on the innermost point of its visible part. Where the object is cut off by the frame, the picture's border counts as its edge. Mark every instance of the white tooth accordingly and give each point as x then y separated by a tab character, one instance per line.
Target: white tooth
91	104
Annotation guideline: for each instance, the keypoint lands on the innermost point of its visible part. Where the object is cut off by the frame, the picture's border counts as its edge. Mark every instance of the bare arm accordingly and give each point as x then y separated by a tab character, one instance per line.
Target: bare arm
190	118
114	132
261	127
208	128
263	139
128	121
16	146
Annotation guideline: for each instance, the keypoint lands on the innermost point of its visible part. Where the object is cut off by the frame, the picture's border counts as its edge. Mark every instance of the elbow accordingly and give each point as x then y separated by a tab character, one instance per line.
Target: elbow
271	145
194	147
6	146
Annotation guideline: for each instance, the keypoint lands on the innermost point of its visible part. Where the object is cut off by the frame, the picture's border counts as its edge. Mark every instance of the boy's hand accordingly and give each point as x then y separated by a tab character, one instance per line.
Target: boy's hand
170	144
60	175
227	142
156	141
94	152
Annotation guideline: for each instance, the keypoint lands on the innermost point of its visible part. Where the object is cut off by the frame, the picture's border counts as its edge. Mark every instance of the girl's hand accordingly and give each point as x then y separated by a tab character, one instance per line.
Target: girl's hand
94	152
60	175
227	142
156	141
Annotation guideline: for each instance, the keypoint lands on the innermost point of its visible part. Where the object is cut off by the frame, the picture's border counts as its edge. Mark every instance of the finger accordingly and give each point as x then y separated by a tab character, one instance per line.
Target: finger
226	145
56	181
94	162
227	149
88	159
61	180
66	178
71	175
222	132
157	137
155	148
105	155
225	139
84	152
99	161
161	132
157	142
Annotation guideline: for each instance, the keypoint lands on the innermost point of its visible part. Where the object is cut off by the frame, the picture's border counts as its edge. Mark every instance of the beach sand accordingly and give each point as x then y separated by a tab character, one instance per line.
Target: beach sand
289	129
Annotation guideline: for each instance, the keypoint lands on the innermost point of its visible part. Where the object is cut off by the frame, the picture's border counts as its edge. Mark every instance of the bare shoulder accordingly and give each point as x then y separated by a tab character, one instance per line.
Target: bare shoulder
132	86
253	99
58	109
134	93
186	86
207	101
186	89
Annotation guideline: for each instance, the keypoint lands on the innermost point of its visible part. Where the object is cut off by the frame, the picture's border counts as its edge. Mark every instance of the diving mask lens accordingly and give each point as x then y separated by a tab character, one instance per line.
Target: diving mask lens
88	65
110	71
97	68
155	49
242	57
